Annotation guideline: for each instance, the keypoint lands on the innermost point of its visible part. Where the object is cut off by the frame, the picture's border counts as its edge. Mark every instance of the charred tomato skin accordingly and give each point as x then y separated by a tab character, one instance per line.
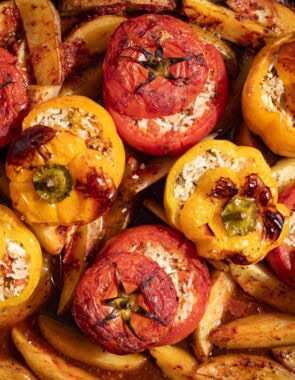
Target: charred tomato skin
151	40
282	258
113	295
133	41
13	98
170	242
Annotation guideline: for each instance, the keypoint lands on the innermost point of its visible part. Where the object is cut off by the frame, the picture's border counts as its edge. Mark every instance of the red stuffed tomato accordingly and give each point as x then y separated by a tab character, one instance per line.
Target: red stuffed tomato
147	288
164	88
282	258
13	98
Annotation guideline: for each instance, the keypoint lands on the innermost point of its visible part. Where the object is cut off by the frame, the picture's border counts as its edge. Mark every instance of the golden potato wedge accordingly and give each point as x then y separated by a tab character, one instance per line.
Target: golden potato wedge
284	172
84	240
145	176
41	23
78	6
13	314
286	356
222	288
38	94
9	23
244	367
256	331
42	359
261	283
236	27
65	339
89	40
232	114
176	363
87	83
51	238
12	370
243	136
155	208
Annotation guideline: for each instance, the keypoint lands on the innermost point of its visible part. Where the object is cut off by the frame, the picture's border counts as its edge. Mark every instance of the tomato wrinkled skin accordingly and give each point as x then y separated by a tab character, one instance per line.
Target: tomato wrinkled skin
157	77
139	275
123	74
13	98
174	254
282	258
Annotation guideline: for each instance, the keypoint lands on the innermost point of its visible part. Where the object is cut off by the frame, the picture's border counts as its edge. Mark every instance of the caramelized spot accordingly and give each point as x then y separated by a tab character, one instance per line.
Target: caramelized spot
255	188
224	188
99	187
273	222
239	259
25	145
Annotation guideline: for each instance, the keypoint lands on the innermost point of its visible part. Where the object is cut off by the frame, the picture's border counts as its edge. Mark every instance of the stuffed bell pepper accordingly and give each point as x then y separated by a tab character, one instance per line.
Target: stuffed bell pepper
164	88
20	260
268	100
55	179
223	198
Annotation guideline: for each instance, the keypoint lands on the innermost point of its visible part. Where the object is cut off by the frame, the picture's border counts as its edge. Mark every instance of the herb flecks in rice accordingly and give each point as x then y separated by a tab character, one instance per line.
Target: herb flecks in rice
185	119
274	94
84	124
14	270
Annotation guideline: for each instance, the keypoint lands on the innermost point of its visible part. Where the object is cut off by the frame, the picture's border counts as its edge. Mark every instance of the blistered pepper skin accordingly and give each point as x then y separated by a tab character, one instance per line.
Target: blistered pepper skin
56	186
248	155
274	125
235	215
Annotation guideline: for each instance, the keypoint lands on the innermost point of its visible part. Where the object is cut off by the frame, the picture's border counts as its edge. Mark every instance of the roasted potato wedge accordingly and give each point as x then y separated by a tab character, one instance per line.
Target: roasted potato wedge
237	27
243	136
244	367
66	339
12	370
85	239
41	23
52	238
176	363
222	288
11	315
42	359
78	6
87	83
286	356
256	331
261	283
89	40
284	172
38	94
232	114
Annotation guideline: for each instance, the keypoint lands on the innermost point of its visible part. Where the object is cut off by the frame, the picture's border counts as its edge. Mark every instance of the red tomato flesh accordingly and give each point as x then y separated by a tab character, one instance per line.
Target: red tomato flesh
13	98
171	283
282	258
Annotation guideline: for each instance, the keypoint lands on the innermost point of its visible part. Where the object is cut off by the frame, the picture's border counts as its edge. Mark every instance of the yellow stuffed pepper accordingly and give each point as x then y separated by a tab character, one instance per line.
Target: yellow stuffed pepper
55	179
268	99
184	175
88	120
235	215
20	260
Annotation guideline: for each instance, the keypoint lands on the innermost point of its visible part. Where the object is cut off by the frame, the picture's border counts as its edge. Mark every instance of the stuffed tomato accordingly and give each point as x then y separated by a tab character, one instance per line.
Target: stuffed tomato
148	288
13	98
164	88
